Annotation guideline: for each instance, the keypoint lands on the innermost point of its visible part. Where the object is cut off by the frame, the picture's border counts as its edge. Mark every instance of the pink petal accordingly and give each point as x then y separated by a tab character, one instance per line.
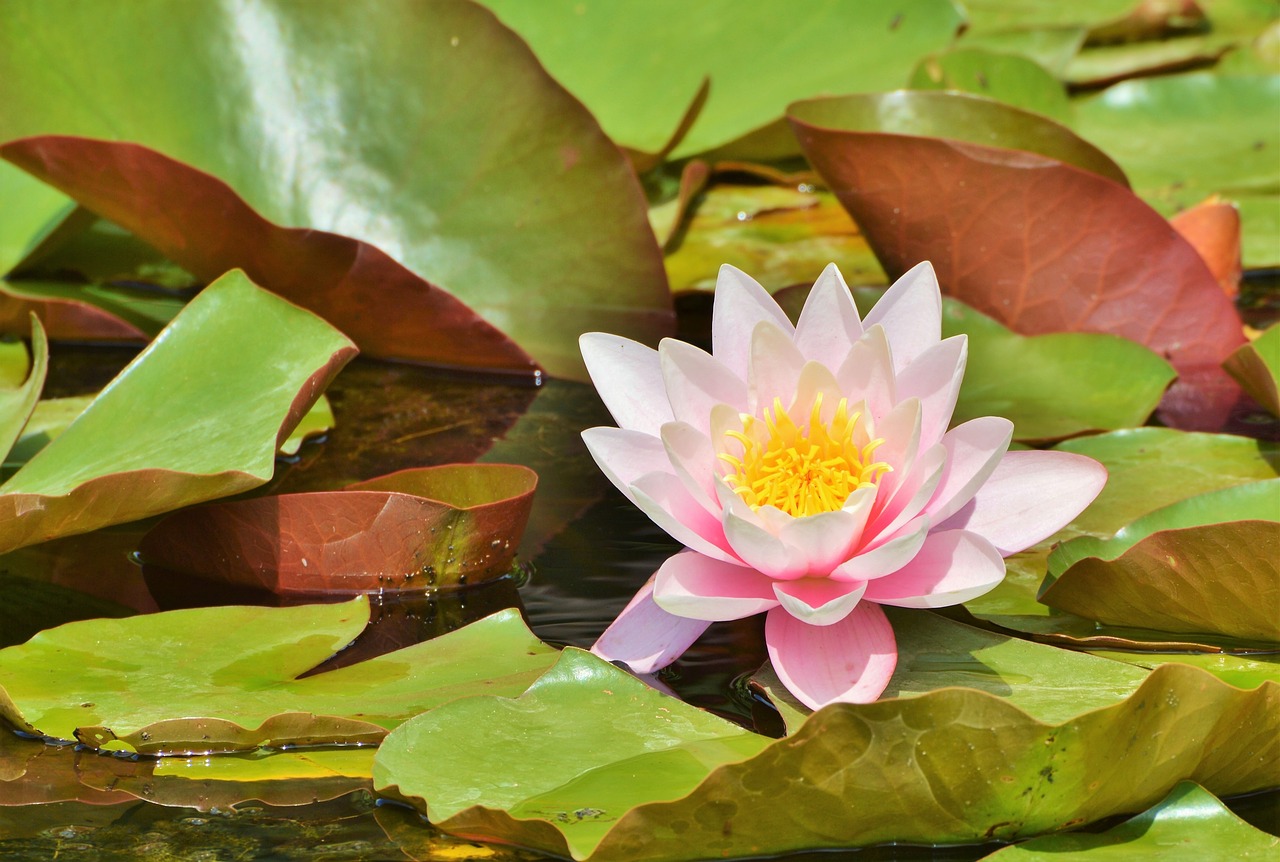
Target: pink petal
886	558
848	662
974	449
819	601
740	304
1029	497
691	585
762	550
690	454
911	313
775	368
667	502
646	637
952	567
866	374
828	539
629	379
829	324
900	431
624	456
934	377
696	382
909	500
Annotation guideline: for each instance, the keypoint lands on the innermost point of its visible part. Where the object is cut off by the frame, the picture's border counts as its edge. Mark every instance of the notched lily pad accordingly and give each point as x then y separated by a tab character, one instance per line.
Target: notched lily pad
1205	564
227	679
220	389
951	766
415	529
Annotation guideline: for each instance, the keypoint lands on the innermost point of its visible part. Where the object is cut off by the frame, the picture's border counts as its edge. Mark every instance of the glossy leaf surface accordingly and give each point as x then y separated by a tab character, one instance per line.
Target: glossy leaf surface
505	193
895	770
226	679
415	529
1204	564
671	48
220	389
1189	825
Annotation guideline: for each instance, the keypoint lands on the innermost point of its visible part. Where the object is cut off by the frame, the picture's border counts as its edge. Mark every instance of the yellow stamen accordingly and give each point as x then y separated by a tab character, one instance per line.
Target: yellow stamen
803	470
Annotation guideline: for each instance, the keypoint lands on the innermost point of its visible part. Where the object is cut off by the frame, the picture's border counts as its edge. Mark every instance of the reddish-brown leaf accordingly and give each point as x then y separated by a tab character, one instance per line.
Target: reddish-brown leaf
386	309
1037	243
446	525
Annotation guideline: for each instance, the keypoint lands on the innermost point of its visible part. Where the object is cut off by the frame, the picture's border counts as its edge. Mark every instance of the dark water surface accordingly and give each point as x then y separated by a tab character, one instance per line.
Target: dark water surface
586	552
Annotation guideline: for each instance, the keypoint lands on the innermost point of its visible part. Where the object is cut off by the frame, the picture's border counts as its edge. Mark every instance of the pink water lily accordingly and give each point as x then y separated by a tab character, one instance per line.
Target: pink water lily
810	473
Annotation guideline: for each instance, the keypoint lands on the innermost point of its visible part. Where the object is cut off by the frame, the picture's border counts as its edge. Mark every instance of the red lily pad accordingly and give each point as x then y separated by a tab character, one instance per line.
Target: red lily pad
435	526
65	318
1023	227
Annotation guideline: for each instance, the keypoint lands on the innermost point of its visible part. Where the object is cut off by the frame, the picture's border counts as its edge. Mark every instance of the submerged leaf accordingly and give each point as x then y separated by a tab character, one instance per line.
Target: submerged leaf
227	679
1189	825
197	415
415	529
1204	564
472	172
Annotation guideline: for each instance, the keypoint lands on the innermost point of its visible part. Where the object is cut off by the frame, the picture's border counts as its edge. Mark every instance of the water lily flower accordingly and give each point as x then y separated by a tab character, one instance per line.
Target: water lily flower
810	474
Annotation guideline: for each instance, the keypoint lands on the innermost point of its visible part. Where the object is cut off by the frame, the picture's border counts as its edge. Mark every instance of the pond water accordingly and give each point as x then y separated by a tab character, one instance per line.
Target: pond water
585	553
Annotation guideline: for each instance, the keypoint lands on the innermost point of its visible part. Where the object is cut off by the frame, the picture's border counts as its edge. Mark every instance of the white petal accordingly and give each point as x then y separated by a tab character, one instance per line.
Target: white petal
694	461
629	379
775	368
624	456
867	373
974	449
934	377
819	601
911	314
696	382
829	323
667	502
887	557
740	304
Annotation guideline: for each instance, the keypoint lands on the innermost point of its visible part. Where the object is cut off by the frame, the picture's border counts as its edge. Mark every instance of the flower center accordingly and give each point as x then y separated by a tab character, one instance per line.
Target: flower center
803	470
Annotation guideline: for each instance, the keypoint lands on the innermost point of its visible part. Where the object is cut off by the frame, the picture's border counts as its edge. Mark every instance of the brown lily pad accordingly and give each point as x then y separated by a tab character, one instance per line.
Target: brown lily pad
435	526
1024	227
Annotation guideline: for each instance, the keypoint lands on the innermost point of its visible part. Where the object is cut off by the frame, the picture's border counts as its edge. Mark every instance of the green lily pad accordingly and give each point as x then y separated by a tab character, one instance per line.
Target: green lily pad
32	212
1242	671
474	203
1050	46
226	679
1148	468
1257	366
1050	386
1181	138
1010	78
1189	825
594	742
220	389
954	765
318	422
934	652
1204	564
16	403
671	49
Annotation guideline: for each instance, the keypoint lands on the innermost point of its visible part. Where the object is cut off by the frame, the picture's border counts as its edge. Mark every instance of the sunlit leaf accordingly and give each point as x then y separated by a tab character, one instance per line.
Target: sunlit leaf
1180	138
1010	78
1213	229
1043	246
472	172
671	48
1147	468
318	421
31	213
414	529
219	390
1257	366
1189	825
226	679
1242	671
1203	564
954	765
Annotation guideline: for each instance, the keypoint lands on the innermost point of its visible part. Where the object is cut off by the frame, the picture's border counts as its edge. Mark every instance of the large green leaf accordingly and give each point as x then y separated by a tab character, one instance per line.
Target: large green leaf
1010	78
220	389
1189	825
1203	564
434	137
670	48
954	765
30	214
1181	138
1147	468
226	679
1242	671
